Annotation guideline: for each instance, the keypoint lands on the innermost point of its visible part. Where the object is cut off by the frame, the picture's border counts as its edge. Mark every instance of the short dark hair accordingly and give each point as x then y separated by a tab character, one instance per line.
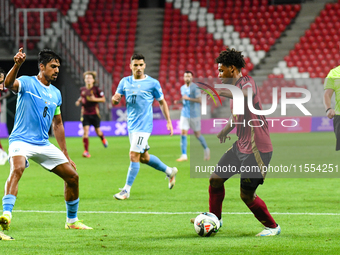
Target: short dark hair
231	57
2	71
137	56
46	55
187	71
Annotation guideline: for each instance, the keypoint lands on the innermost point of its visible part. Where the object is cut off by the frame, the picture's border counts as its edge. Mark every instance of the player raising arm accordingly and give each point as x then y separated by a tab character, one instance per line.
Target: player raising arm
38	106
140	90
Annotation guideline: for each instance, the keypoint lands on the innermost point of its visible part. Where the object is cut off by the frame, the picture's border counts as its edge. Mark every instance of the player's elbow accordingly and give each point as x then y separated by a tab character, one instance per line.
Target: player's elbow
8	84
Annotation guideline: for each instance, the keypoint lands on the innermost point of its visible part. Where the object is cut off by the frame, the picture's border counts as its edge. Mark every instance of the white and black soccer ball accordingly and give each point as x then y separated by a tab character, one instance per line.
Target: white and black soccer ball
206	224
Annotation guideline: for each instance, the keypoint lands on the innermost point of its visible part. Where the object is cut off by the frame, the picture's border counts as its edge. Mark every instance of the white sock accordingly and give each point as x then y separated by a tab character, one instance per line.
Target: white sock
71	220
127	188
168	171
8	213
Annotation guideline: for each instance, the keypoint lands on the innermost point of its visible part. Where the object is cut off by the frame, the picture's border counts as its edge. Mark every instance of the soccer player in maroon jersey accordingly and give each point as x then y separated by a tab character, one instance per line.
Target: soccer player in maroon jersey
4	92
90	96
252	150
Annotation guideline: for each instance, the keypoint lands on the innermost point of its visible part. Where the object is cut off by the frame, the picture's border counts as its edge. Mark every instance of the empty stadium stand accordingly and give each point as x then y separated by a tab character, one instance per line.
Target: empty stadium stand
194	32
318	50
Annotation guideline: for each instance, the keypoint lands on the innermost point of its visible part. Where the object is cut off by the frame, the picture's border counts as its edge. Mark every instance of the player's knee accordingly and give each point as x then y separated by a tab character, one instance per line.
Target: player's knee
17	170
73	180
134	157
247	198
144	160
216	182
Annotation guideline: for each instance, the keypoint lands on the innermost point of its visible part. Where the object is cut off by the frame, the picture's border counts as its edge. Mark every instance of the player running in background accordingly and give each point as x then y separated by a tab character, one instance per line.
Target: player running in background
253	148
3	94
38	106
331	85
190	116
90	96
140	90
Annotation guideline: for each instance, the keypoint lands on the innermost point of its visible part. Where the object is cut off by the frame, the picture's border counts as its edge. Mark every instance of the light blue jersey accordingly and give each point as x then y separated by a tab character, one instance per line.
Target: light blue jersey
36	105
191	109
139	96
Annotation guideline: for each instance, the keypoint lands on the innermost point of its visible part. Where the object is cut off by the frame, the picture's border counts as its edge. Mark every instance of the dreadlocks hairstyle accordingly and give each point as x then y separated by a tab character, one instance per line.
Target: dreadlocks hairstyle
137	56
231	57
45	56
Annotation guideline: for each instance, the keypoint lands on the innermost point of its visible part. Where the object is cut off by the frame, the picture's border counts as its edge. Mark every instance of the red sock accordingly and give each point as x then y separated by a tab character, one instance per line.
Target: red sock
216	197
86	143
1	146
260	211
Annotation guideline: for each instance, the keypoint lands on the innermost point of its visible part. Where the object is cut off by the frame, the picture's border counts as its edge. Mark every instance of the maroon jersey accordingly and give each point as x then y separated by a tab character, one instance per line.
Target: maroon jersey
253	135
90	108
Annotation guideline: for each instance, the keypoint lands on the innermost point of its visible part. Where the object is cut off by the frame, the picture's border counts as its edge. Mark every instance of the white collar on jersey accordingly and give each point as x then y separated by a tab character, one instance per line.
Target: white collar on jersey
41	82
133	78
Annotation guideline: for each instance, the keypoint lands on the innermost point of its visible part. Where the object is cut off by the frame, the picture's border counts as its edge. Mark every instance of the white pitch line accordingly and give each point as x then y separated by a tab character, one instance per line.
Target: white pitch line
174	213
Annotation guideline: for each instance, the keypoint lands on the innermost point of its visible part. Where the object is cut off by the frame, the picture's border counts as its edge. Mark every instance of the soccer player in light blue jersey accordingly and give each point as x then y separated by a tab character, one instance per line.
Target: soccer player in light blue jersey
190	116
140	90
38	106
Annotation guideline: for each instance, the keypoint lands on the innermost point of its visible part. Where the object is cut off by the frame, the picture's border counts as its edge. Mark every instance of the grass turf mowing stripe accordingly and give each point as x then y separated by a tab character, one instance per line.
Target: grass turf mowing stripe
165	213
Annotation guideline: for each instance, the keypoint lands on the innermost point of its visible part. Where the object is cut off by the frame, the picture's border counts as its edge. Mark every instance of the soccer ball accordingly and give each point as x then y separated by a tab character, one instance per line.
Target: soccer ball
206	224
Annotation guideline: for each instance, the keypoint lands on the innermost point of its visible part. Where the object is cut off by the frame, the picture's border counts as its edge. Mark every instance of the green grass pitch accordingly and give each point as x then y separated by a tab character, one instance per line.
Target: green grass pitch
156	220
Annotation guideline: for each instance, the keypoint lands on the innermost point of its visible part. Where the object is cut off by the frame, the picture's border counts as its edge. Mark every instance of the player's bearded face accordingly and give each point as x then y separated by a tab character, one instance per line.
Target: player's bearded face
187	78
137	68
225	73
51	70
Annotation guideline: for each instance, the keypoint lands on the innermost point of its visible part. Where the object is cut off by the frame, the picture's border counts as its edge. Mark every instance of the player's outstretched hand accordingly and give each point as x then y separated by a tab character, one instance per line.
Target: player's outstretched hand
20	57
169	127
223	136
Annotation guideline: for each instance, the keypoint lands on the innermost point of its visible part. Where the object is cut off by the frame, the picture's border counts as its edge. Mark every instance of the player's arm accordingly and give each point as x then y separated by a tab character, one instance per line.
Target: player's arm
78	101
92	98
223	134
194	100
116	98
178	101
165	110
11	82
59	133
327	96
